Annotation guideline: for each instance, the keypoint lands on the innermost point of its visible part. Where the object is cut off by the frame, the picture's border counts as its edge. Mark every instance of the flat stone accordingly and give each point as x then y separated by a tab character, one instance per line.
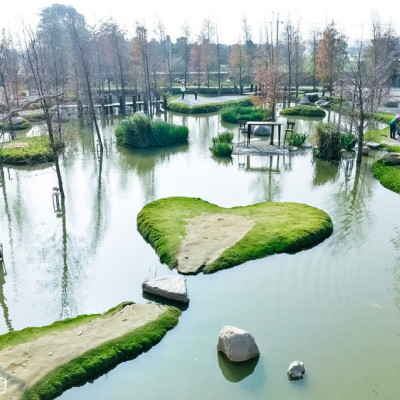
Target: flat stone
170	287
237	344
296	370
391	158
373	145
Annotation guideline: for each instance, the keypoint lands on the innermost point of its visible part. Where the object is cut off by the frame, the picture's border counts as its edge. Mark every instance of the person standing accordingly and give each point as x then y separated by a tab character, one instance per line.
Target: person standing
183	89
392	125
195	94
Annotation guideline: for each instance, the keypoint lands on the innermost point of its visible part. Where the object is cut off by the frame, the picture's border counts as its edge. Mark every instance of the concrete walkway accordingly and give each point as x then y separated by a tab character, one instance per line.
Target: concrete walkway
190	100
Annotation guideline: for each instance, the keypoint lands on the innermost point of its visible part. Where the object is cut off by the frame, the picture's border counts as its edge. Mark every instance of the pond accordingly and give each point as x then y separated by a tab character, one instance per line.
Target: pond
336	306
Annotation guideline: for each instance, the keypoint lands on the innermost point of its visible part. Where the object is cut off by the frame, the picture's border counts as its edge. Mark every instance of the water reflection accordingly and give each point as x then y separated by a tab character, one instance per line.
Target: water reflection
353	194
3	303
236	372
325	171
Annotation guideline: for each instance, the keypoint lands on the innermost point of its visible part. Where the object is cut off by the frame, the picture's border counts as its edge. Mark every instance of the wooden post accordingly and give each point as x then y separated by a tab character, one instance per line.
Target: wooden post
122	105
104	103
251	88
157	104
165	102
145	105
80	108
134	104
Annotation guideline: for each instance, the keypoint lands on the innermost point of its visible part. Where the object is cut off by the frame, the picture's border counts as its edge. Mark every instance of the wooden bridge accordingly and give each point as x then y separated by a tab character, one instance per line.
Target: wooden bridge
109	107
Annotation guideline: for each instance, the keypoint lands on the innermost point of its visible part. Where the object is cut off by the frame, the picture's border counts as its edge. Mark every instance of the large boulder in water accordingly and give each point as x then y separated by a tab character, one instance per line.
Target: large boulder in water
262	130
237	344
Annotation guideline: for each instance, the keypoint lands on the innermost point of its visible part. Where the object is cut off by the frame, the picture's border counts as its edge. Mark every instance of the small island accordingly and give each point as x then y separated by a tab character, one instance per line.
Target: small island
44	362
28	150
193	235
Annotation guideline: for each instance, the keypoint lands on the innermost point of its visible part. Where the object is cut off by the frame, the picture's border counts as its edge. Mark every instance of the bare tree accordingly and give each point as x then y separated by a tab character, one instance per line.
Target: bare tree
82	56
36	56
368	81
206	37
165	42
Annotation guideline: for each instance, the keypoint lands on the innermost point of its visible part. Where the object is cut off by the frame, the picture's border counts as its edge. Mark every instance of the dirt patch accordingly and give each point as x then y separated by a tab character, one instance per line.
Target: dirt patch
15	145
207	237
23	365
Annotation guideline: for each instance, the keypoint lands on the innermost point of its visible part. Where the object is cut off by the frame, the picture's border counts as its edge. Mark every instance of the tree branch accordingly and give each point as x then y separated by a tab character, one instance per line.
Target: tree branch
12	113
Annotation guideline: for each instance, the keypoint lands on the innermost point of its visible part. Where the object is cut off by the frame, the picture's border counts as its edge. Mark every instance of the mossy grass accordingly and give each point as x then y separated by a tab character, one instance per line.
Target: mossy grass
183	108
304	111
387	175
95	362
233	114
139	131
278	228
30	150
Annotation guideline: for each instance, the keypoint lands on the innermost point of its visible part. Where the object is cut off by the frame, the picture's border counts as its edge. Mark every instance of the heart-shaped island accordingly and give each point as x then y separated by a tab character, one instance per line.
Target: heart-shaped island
194	235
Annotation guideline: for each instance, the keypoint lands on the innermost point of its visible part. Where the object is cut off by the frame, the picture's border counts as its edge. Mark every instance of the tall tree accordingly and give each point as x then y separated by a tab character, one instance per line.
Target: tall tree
331	53
36	56
206	37
237	63
369	80
77	26
114	38
165	42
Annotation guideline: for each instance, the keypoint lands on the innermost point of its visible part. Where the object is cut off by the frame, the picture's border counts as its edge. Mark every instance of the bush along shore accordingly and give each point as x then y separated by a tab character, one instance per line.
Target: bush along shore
74	351
183	108
272	228
141	132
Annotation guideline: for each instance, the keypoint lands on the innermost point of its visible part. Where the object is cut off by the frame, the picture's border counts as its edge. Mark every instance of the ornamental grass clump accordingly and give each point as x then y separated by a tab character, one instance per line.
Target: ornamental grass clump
297	139
222	145
140	132
328	142
348	141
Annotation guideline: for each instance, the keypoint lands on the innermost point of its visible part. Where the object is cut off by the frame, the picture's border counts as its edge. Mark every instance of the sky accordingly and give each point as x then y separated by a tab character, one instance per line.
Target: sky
351	19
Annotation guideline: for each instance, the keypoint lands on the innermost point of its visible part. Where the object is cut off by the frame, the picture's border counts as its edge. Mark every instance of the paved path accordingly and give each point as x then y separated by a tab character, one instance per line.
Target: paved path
190	101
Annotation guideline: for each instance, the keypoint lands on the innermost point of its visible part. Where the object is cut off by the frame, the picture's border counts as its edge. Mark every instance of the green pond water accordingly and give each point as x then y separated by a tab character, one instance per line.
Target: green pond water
335	307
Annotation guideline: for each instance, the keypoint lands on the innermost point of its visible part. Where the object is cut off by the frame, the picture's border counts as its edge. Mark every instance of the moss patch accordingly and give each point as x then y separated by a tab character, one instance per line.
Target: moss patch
278	228
30	150
139	329
387	175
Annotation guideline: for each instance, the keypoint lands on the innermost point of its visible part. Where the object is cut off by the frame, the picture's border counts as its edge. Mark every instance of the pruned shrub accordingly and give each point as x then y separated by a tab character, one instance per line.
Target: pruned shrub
235	113
139	131
205	108
304	111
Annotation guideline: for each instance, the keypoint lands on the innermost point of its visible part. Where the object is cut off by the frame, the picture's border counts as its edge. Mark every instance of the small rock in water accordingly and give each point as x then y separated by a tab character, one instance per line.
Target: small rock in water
296	370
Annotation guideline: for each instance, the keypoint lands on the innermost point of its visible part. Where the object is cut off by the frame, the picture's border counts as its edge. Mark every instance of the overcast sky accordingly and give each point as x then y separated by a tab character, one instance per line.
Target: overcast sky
352	19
